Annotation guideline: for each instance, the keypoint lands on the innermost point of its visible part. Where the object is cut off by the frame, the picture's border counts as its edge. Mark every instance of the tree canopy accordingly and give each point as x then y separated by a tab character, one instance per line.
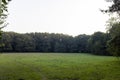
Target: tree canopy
3	14
45	42
114	28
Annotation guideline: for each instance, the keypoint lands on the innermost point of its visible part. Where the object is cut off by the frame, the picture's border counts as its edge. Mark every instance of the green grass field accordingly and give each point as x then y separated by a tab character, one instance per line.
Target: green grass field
58	66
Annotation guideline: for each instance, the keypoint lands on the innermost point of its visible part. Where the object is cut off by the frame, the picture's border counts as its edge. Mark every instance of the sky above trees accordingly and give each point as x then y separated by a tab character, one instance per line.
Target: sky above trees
71	17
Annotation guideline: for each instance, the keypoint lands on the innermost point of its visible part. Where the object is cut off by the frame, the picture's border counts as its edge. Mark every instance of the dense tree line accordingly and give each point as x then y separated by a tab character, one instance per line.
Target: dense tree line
45	42
98	43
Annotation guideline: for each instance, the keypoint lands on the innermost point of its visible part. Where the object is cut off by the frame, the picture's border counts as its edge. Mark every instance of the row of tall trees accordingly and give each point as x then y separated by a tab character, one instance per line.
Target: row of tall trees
45	42
96	43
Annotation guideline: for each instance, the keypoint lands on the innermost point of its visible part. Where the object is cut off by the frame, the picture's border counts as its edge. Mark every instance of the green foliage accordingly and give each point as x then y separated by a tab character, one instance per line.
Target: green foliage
114	43
114	29
5	1
45	42
82	43
114	7
3	15
3	11
98	43
58	67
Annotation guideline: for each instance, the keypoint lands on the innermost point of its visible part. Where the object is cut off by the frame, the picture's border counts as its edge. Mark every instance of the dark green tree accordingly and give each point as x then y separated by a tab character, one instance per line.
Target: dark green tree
45	42
6	42
3	12
81	42
115	7
114	29
98	43
114	42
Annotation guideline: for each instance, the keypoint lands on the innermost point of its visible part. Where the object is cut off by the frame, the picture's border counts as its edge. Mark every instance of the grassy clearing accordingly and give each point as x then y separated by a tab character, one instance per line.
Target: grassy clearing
53	66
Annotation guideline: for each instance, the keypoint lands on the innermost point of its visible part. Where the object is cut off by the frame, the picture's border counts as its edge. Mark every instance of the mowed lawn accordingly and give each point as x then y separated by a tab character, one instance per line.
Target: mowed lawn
58	66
